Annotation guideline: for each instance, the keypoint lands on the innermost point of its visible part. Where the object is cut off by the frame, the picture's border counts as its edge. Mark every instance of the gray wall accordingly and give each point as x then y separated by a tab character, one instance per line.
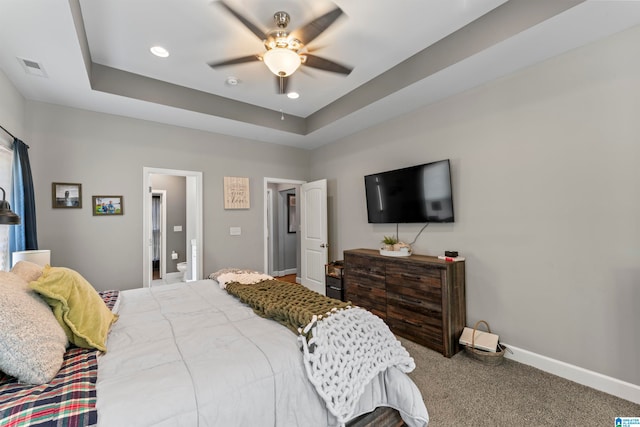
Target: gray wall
11	109
107	153
176	208
545	180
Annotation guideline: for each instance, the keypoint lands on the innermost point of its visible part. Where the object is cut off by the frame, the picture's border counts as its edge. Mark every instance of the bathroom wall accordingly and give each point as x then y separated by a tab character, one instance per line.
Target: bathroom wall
176	207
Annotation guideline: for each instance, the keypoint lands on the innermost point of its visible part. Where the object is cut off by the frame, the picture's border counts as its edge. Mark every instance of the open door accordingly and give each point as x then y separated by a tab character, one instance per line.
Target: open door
314	249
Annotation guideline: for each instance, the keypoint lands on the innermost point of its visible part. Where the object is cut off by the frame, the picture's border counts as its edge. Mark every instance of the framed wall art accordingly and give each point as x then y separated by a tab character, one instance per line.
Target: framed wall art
236	192
66	195
292	218
107	205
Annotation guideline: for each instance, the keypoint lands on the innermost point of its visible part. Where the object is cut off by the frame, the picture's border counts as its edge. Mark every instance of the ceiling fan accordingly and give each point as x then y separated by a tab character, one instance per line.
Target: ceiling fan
287	51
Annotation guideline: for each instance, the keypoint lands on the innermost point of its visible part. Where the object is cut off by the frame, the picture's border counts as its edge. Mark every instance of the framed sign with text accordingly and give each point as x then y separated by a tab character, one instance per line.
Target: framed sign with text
236	193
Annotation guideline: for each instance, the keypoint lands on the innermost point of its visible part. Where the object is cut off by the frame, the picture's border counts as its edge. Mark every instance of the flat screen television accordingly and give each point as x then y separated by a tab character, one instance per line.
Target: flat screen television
419	193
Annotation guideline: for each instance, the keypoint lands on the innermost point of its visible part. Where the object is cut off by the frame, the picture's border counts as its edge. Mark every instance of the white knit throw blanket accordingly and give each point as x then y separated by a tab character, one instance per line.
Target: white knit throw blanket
348	348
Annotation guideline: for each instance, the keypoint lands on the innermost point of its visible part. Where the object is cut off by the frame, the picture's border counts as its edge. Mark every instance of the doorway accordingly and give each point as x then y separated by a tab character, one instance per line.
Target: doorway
281	243
310	224
193	233
158	234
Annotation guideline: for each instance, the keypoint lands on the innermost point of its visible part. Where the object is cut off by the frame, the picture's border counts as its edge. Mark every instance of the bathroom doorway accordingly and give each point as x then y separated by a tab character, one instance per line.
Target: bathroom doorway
188	228
158	234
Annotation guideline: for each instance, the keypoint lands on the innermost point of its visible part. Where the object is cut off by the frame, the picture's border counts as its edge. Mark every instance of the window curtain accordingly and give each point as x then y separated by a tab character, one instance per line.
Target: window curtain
22	237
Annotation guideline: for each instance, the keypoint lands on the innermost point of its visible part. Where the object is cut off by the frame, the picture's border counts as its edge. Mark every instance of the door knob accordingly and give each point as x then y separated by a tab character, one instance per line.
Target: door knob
324	245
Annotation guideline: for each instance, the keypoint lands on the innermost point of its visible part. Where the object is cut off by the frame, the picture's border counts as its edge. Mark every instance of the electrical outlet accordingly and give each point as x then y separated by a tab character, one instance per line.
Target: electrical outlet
177	228
235	231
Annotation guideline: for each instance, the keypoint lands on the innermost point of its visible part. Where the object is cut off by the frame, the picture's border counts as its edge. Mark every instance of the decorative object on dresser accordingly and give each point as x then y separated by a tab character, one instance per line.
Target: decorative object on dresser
393	247
420	297
334	283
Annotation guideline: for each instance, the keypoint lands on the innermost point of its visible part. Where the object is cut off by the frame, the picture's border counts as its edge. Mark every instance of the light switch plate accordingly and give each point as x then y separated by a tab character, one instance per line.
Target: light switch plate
235	231
177	228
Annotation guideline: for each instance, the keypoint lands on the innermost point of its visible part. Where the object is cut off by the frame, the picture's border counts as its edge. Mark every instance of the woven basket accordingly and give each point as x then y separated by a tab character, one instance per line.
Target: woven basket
487	357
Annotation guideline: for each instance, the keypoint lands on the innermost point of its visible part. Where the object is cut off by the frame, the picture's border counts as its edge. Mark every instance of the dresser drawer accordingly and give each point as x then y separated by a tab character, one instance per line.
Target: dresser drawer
411	327
428	305
371	298
364	271
414	276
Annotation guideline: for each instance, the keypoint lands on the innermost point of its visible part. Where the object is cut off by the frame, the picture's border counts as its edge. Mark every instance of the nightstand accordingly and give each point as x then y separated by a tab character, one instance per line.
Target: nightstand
334	285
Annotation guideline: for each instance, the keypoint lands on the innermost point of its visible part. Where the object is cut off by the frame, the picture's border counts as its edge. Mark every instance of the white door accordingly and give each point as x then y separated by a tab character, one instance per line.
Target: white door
314	248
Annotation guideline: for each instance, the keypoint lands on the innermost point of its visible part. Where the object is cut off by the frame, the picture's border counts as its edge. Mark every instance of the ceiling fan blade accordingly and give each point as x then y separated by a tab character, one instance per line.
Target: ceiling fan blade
314	28
240	60
281	84
325	64
252	27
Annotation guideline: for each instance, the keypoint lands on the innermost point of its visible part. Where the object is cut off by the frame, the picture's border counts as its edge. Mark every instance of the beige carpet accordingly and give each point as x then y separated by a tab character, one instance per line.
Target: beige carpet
462	391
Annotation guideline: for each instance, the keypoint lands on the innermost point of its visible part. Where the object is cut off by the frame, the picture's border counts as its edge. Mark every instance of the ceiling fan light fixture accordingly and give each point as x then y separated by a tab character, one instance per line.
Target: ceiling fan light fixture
281	61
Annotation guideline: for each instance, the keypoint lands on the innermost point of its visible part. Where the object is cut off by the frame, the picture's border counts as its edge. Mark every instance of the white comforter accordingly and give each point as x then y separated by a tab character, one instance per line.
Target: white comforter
192	355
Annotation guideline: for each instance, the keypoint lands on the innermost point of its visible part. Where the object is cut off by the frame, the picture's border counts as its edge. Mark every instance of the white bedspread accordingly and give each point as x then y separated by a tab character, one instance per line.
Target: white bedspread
192	355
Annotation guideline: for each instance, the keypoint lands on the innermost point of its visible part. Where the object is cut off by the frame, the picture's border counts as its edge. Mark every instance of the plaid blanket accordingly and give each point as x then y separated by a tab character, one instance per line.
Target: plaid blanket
69	400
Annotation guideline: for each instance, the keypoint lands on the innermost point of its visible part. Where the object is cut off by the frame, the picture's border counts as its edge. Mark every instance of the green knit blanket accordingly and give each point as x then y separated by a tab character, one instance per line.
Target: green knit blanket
290	304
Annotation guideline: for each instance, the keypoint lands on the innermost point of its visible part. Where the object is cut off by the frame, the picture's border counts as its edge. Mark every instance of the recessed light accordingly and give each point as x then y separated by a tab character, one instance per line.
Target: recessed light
159	51
293	95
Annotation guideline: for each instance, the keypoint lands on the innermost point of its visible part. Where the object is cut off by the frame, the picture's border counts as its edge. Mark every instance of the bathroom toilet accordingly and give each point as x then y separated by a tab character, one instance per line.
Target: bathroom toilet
182	268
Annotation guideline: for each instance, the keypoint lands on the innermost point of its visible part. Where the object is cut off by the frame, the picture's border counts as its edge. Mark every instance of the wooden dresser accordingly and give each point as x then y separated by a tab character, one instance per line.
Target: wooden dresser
421	298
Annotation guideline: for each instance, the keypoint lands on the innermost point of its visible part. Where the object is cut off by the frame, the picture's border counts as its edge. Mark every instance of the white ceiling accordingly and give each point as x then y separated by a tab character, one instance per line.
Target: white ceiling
405	54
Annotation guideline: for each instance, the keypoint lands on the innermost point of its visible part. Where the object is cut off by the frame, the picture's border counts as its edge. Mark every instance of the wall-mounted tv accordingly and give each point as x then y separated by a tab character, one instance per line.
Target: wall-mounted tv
419	193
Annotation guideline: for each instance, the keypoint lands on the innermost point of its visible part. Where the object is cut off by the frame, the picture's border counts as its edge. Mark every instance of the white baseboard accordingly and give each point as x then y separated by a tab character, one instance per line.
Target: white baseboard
610	385
277	273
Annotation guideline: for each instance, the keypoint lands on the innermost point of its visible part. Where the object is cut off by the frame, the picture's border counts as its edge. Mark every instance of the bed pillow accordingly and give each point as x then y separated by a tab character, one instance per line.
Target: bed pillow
77	306
32	343
214	276
29	271
244	278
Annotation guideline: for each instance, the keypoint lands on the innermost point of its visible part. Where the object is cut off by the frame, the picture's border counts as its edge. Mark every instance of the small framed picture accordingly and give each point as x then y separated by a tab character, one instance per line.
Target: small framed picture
66	195
107	205
292	217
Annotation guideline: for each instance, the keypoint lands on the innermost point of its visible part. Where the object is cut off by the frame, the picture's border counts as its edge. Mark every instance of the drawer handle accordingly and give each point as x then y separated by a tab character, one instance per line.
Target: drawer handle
410	276
334	288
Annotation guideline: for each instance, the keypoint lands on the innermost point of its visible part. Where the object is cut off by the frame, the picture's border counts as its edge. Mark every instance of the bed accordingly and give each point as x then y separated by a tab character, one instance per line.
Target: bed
194	355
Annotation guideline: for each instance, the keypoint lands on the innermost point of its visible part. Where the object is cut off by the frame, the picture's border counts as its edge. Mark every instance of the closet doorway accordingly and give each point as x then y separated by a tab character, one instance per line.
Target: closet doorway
192	229
282	239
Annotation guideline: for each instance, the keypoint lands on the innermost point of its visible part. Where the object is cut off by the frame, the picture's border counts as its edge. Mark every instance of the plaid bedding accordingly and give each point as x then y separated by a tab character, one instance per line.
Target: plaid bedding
69	400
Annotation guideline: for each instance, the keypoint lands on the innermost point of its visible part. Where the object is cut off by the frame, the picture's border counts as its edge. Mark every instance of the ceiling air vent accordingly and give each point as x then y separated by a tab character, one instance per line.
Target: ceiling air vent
32	67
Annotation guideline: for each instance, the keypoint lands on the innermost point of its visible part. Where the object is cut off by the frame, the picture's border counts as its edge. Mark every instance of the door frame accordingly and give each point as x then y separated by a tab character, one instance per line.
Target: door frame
194	218
163	231
266	224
